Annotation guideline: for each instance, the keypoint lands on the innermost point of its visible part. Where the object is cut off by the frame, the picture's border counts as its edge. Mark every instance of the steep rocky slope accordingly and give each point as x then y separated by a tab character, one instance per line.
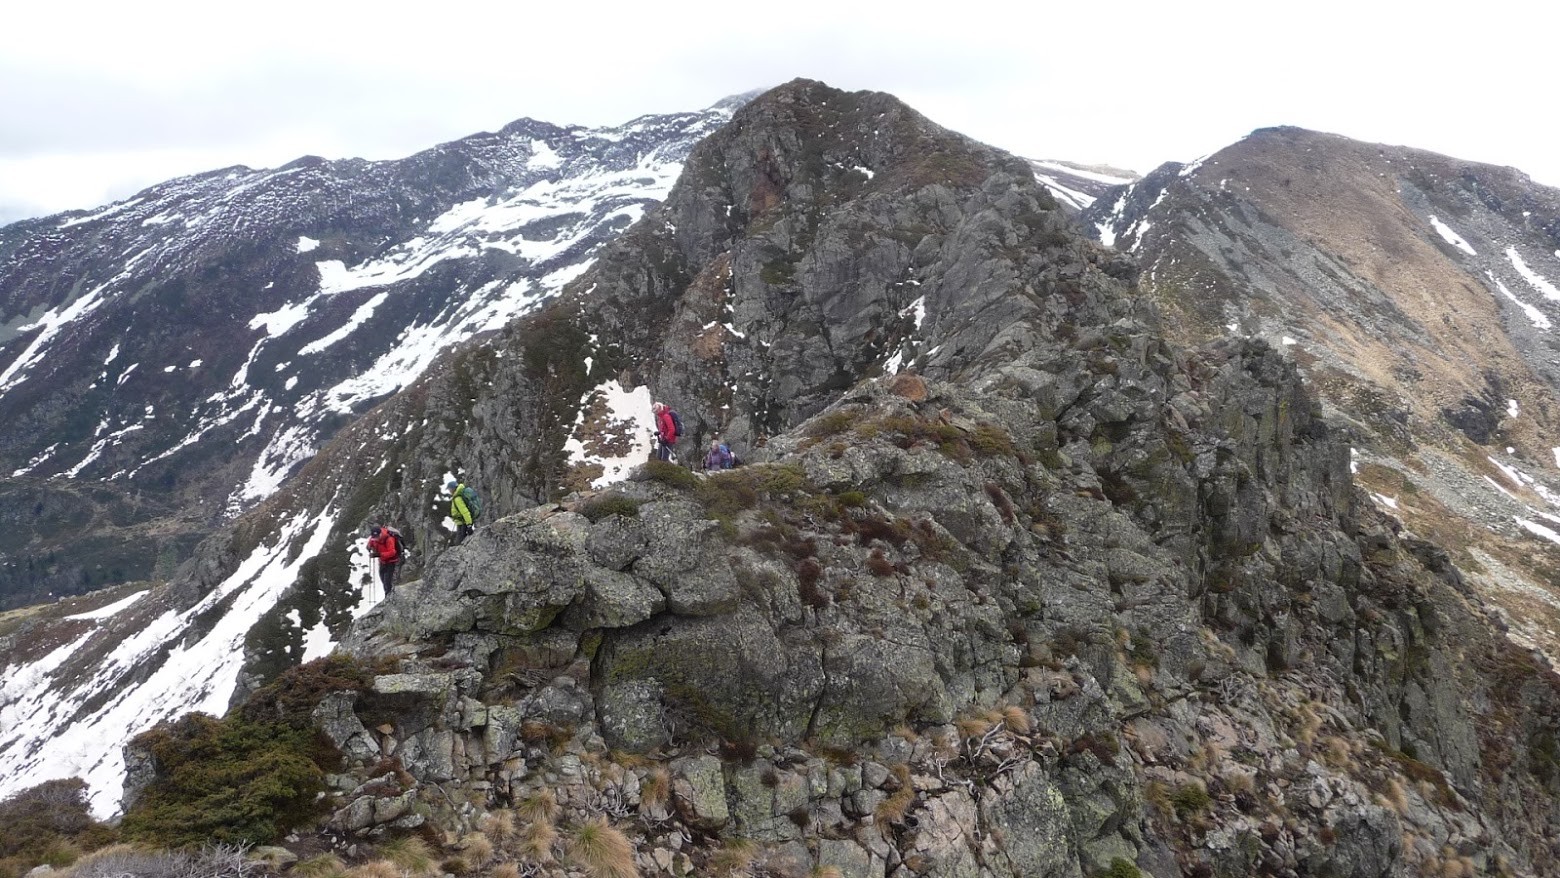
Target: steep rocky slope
1418	294
1012	587
167	360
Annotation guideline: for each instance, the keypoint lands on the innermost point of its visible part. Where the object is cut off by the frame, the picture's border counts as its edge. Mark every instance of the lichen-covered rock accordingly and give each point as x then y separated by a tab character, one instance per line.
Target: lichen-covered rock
1031	815
699	789
335	718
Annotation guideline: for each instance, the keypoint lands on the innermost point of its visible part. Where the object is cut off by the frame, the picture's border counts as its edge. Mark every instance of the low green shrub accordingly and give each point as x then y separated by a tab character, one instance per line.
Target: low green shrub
832	423
229	781
1120	867
291	698
49	824
668	473
1190	798
606	506
852	499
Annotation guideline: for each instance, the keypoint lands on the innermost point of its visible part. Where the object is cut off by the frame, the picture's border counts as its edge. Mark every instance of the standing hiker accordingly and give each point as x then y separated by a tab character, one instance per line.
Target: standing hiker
667	426
465	506
386	545
719	456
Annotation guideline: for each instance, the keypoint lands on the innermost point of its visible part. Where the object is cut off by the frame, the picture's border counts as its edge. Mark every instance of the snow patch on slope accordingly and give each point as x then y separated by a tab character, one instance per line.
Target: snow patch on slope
1535	316
1534	279
1451	237
45	731
612	431
110	610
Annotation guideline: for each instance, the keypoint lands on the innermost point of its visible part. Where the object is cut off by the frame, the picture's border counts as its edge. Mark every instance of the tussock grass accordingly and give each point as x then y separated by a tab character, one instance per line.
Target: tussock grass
540	806
499	825
537	842
655	789
322	866
410	854
477	849
1016	719
601	850
375	869
733	859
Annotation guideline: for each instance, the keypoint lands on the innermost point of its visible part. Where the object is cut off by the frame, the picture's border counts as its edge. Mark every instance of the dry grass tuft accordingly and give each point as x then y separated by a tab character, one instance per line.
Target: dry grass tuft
827	872
499	825
540	806
655	788
1310	724
892	810
973	726
477	849
1397	795
733	859
1238	781
410	854
375	869
536	844
1016	719
505	870
322	866
1337	752
601	850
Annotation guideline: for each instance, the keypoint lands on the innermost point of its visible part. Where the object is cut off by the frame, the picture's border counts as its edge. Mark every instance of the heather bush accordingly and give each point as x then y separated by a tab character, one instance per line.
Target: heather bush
608	505
49	824
227	781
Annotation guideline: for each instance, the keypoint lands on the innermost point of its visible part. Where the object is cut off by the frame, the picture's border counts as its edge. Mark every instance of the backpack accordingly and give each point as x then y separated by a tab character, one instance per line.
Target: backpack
473	502
676	422
403	548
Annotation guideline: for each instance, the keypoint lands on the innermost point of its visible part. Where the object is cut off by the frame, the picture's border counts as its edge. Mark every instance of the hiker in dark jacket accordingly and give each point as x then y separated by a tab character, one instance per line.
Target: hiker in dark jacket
665	431
386	547
461	511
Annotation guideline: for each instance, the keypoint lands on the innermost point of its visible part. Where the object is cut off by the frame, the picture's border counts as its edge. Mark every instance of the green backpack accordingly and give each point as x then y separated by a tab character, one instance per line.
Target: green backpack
473	502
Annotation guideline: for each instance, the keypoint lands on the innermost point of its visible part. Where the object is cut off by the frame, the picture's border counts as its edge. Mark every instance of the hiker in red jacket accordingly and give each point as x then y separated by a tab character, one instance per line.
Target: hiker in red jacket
665	430
384	544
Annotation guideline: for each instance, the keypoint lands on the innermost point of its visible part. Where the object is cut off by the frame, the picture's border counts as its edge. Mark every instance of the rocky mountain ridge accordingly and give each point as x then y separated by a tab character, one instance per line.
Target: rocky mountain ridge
1013	585
1056	513
1417	292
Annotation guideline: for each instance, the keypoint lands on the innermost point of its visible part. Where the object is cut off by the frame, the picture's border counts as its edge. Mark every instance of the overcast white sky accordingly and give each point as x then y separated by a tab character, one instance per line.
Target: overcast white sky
99	99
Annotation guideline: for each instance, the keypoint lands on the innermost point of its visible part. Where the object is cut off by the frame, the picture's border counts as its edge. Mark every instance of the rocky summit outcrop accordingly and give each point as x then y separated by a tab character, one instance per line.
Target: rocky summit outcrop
1011	586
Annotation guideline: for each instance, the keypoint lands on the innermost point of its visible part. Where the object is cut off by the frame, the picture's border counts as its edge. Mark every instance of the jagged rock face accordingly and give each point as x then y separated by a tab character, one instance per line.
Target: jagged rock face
1417	293
173	357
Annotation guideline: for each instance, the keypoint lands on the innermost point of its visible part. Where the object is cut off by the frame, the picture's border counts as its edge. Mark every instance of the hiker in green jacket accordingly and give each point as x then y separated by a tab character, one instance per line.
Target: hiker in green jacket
464	508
